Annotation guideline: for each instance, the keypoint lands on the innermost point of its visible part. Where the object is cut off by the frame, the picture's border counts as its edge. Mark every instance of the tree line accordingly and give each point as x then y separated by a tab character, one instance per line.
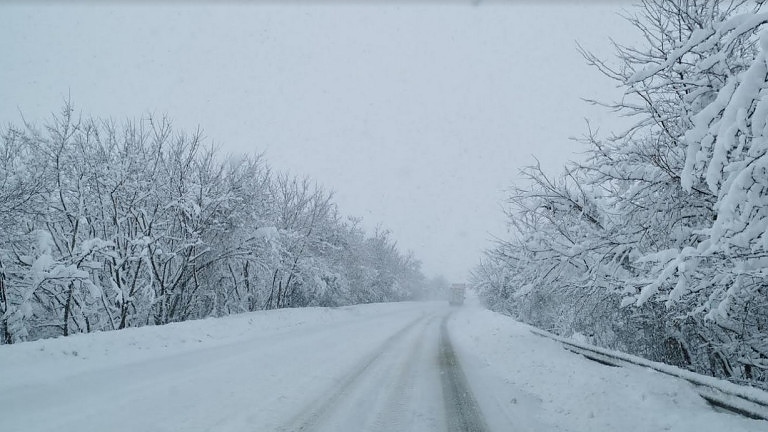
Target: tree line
657	243
107	225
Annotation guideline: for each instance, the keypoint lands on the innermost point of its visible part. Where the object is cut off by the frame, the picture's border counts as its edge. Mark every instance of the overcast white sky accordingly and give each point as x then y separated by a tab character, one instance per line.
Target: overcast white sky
418	116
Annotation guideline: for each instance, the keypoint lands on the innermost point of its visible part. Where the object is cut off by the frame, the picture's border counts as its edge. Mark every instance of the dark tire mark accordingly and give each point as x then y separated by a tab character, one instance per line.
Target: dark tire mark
461	409
310	416
394	415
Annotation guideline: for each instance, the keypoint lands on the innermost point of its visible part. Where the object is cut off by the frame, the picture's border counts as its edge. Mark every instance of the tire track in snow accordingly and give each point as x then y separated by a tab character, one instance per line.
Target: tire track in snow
380	393
394	415
462	411
311	416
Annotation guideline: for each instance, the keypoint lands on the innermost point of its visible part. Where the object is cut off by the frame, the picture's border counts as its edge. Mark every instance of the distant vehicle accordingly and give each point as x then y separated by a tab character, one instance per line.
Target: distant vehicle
457	294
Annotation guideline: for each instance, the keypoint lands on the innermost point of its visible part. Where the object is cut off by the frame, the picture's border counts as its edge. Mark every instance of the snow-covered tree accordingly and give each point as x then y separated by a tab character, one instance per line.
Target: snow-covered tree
656	242
105	226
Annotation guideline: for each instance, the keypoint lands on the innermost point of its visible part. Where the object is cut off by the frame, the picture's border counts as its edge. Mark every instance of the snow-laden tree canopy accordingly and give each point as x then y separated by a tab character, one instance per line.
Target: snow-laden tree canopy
658	242
106	226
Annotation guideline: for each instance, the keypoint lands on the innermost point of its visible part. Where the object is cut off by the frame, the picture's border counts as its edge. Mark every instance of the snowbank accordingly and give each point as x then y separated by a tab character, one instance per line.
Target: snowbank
42	360
533	384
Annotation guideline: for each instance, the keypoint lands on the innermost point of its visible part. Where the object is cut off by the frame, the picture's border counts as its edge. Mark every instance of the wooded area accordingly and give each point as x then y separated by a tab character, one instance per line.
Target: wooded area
657	243
106	226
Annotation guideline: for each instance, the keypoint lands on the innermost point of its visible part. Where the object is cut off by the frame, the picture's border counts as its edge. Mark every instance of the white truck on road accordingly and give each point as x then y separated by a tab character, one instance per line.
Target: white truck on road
457	294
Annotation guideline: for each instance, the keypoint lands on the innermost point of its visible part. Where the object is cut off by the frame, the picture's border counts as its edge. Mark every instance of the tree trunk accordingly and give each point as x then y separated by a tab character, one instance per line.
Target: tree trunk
68	306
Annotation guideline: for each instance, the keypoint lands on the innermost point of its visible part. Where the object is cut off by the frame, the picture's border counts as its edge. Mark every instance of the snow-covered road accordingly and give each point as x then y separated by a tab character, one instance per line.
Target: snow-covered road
395	387
386	367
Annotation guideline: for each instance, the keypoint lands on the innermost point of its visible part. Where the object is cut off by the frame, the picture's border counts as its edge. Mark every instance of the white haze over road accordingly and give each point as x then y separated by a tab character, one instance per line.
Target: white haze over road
418	116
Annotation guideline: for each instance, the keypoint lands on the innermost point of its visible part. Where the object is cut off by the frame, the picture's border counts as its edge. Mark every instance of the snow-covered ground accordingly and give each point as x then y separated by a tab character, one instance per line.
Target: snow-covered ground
530	383
372	367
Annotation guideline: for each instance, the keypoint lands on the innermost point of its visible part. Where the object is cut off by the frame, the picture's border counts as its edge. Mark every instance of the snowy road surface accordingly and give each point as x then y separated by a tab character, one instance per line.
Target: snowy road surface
386	367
